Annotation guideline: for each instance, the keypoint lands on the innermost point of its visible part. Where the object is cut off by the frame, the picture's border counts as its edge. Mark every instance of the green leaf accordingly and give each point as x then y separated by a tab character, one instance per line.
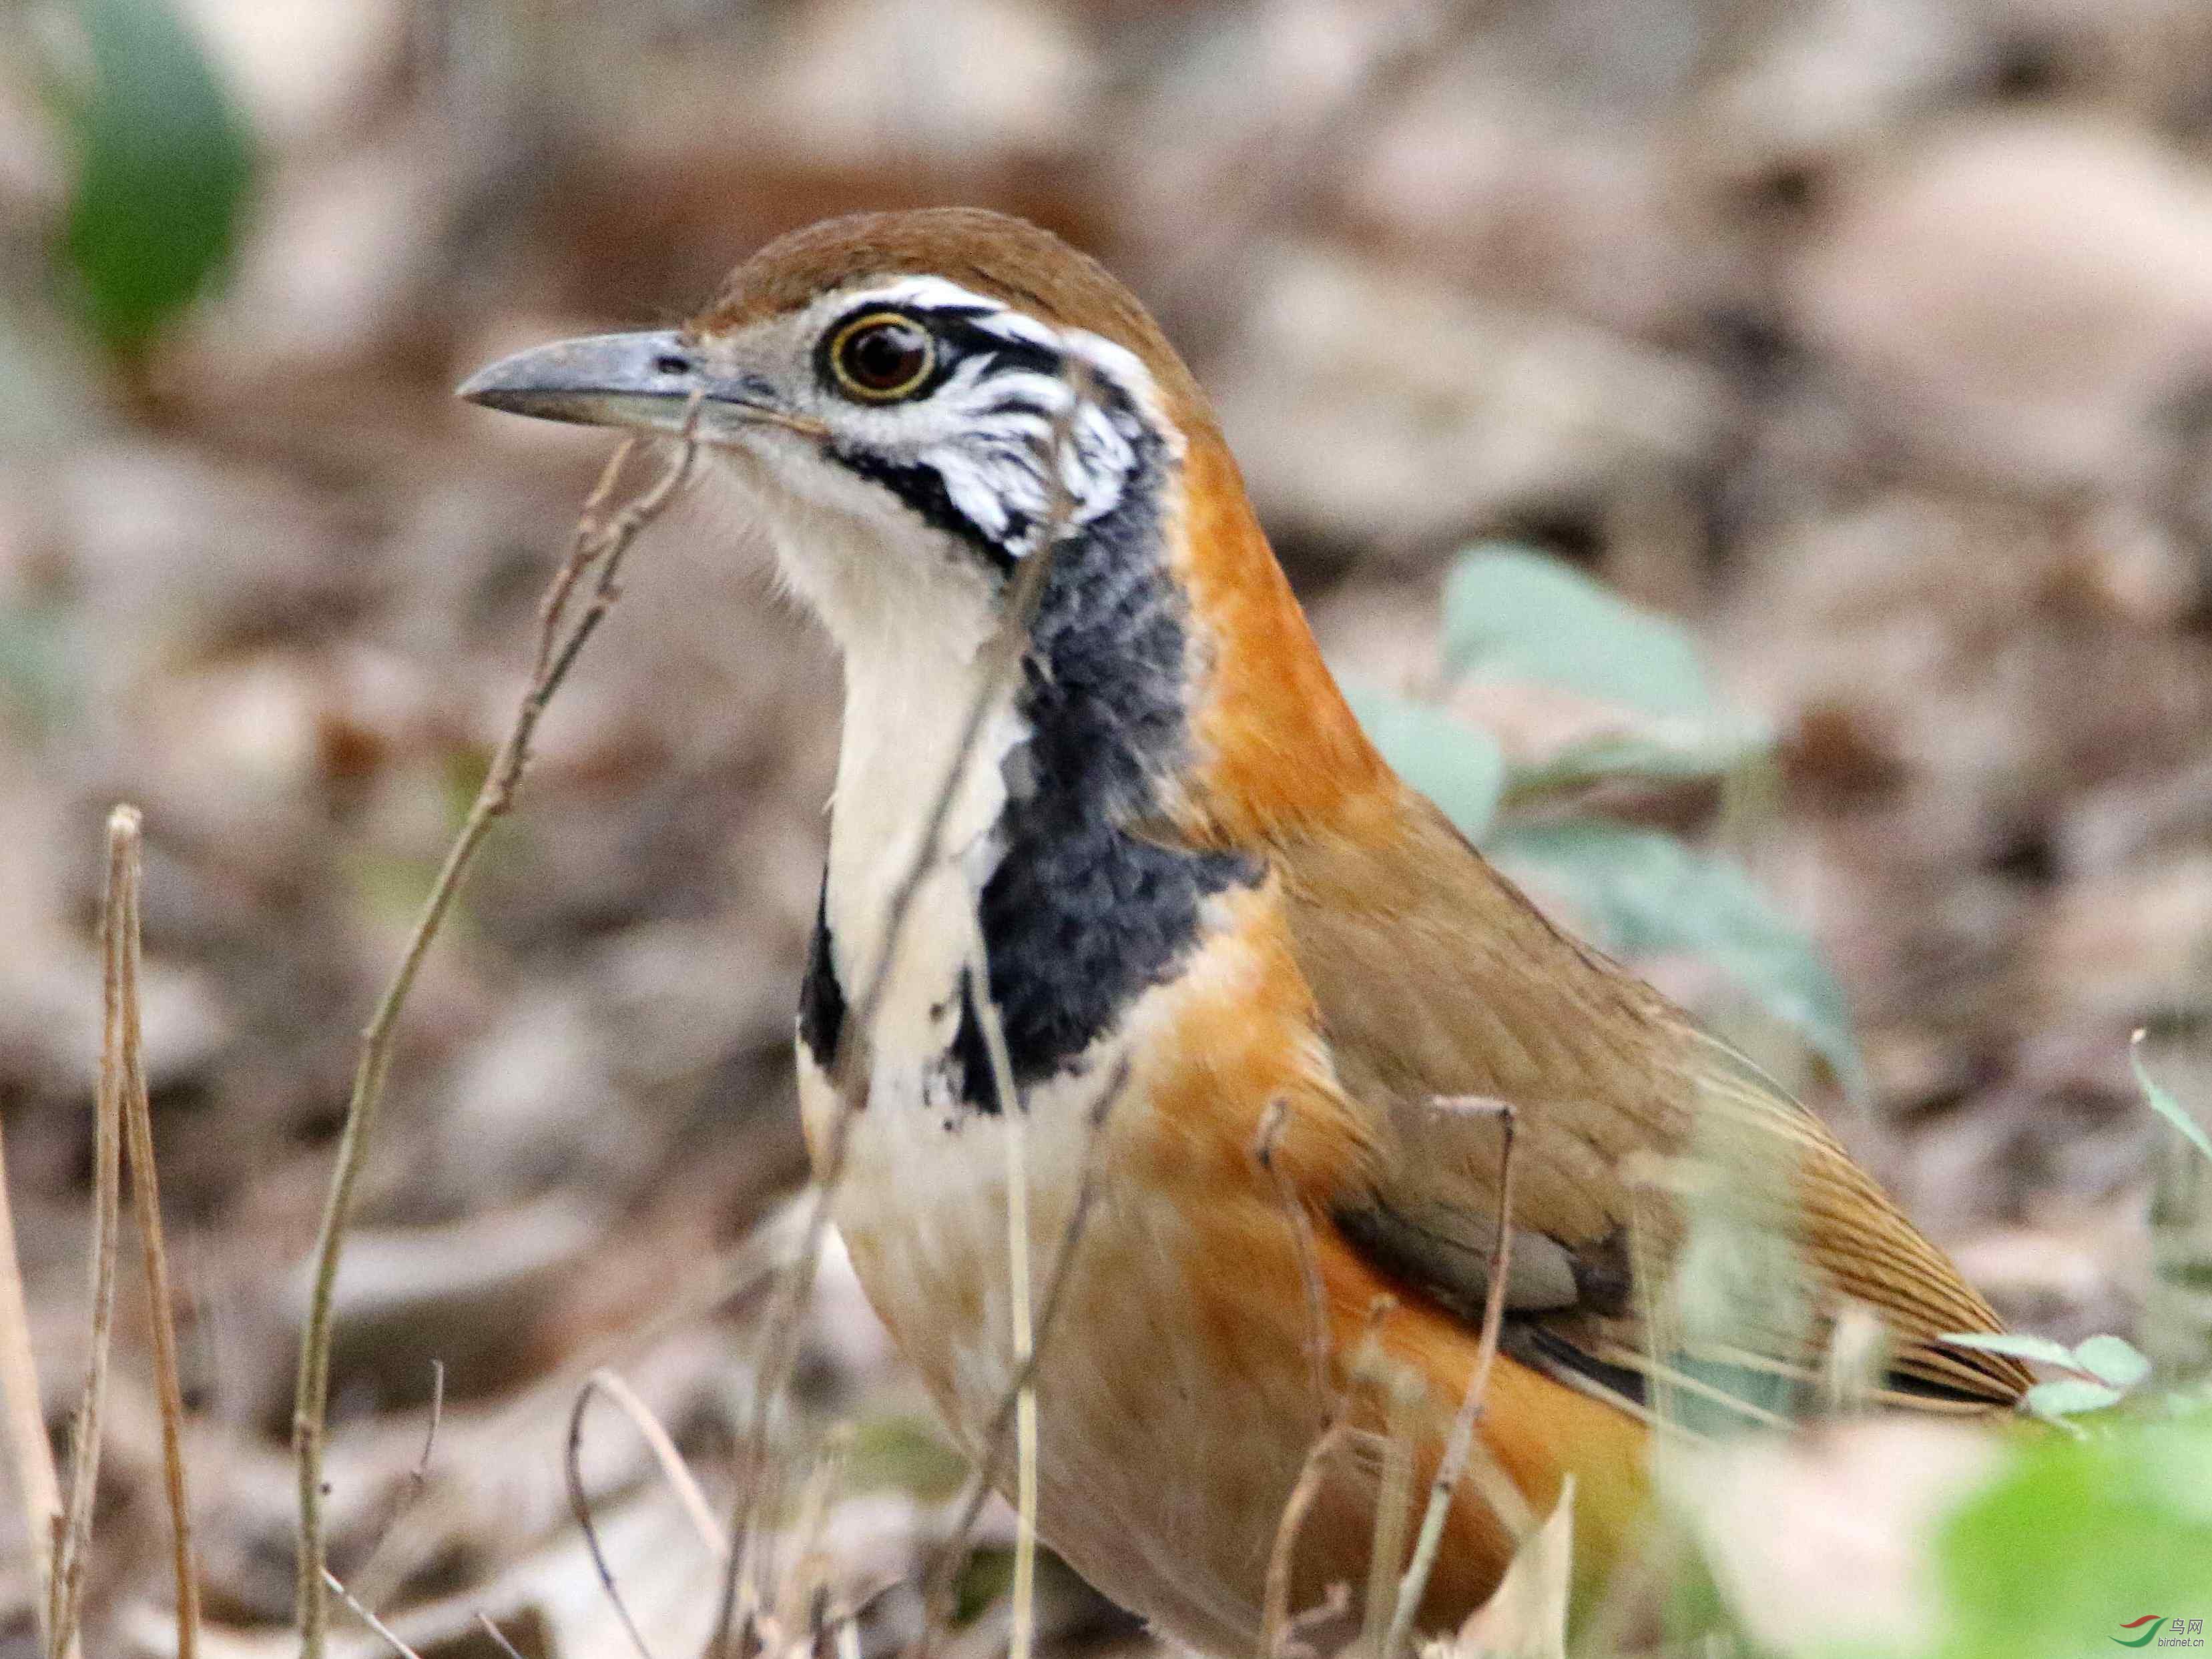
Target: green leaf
2076	1538
1511	614
2040	1349
162	164
1456	765
40	672
906	1454
2114	1360
1646	893
2069	1396
2164	1105
1687	758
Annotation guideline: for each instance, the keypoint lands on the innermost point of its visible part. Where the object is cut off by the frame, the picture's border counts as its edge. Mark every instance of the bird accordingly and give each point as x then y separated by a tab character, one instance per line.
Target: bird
1263	1018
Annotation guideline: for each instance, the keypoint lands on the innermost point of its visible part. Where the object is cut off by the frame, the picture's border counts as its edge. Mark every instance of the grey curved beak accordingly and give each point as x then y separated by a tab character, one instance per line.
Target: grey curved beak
604	380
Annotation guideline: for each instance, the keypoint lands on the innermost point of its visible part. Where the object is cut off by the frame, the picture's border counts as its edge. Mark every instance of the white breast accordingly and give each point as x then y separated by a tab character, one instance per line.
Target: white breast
1132	1412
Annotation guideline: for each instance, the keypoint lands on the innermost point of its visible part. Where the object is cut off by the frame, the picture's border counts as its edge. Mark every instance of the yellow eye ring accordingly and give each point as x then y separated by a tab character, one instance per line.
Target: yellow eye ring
881	356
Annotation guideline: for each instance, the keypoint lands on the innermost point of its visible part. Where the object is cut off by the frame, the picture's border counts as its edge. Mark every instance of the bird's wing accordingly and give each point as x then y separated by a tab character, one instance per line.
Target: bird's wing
1439	986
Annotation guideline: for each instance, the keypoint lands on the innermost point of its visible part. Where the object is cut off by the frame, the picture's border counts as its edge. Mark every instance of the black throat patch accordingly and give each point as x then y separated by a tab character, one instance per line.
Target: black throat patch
1080	916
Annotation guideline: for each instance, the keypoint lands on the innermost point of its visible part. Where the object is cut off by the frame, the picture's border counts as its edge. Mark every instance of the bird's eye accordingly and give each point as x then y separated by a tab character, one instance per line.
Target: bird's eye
882	358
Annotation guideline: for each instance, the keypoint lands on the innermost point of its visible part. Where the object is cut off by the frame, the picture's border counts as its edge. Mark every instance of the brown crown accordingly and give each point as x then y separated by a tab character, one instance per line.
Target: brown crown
1007	258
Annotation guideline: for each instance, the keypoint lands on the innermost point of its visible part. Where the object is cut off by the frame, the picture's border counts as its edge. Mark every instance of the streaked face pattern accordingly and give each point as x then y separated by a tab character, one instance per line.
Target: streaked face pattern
947	405
967	444
905	441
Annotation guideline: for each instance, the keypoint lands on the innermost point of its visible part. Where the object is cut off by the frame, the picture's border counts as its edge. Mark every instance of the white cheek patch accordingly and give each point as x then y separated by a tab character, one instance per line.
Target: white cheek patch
987	432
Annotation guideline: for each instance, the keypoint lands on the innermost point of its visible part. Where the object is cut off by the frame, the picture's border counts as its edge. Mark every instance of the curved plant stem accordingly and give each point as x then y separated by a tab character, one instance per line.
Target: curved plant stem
1452	1464
146	1199
1005	654
566	624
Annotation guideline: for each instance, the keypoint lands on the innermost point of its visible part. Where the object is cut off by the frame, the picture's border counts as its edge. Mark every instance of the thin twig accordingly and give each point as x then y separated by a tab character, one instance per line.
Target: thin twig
1294	1216
1012	1115
498	1637
936	1589
146	1198
1393	1494
803	1603
1275	1620
66	1589
418	1478
737	1271
553	604
580	1506
1003	658
598	541
1275	1602
663	1448
375	1623
36	1485
1453	1463
1024	1629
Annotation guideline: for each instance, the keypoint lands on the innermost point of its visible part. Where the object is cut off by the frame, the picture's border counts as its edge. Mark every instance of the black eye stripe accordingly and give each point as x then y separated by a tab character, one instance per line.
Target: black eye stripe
959	337
965	339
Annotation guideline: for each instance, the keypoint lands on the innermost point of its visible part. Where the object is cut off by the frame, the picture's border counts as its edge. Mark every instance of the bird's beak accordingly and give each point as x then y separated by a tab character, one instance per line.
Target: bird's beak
644	380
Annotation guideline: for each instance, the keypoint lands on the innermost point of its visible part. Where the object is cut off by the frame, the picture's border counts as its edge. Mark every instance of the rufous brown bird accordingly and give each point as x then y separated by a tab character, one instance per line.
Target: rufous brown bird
1176	865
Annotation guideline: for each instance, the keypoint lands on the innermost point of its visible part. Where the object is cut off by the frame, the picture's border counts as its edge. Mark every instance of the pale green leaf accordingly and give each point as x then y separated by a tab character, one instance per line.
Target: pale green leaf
2164	1105
1688	756
2112	1360
2018	1345
1512	614
1646	893
1456	765
2069	1396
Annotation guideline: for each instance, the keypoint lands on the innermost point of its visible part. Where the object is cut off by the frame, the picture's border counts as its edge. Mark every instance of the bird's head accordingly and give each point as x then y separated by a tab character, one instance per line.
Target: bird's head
892	395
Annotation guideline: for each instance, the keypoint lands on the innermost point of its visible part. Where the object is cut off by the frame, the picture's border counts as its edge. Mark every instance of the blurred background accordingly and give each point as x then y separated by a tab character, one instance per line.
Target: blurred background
1871	340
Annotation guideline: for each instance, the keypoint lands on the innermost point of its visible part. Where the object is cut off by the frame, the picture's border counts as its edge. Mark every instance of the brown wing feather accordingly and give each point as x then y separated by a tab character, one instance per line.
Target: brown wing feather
1435	978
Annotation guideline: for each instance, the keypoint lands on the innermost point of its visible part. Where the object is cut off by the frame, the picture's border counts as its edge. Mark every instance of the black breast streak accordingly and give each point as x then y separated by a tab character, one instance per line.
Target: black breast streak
821	998
1080	915
969	1058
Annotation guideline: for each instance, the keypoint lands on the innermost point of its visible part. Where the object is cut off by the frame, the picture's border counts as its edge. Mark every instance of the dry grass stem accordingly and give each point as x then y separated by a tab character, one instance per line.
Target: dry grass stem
663	1448
1275	1602
146	1199
566	624
1276	1621
580	1506
803	1600
1300	1223
418	1478
1393	1498
119	1024
1026	1404
1452	1464
1334	1606
331	1583
734	1273
1003	658
36	1485
1023	1629
937	1591
498	1637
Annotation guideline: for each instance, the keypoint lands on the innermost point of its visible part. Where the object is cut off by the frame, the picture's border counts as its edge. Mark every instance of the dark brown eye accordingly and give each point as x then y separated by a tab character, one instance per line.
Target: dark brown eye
882	358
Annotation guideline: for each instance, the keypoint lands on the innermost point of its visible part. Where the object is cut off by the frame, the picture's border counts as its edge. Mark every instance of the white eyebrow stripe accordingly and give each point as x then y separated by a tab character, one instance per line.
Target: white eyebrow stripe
1116	363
